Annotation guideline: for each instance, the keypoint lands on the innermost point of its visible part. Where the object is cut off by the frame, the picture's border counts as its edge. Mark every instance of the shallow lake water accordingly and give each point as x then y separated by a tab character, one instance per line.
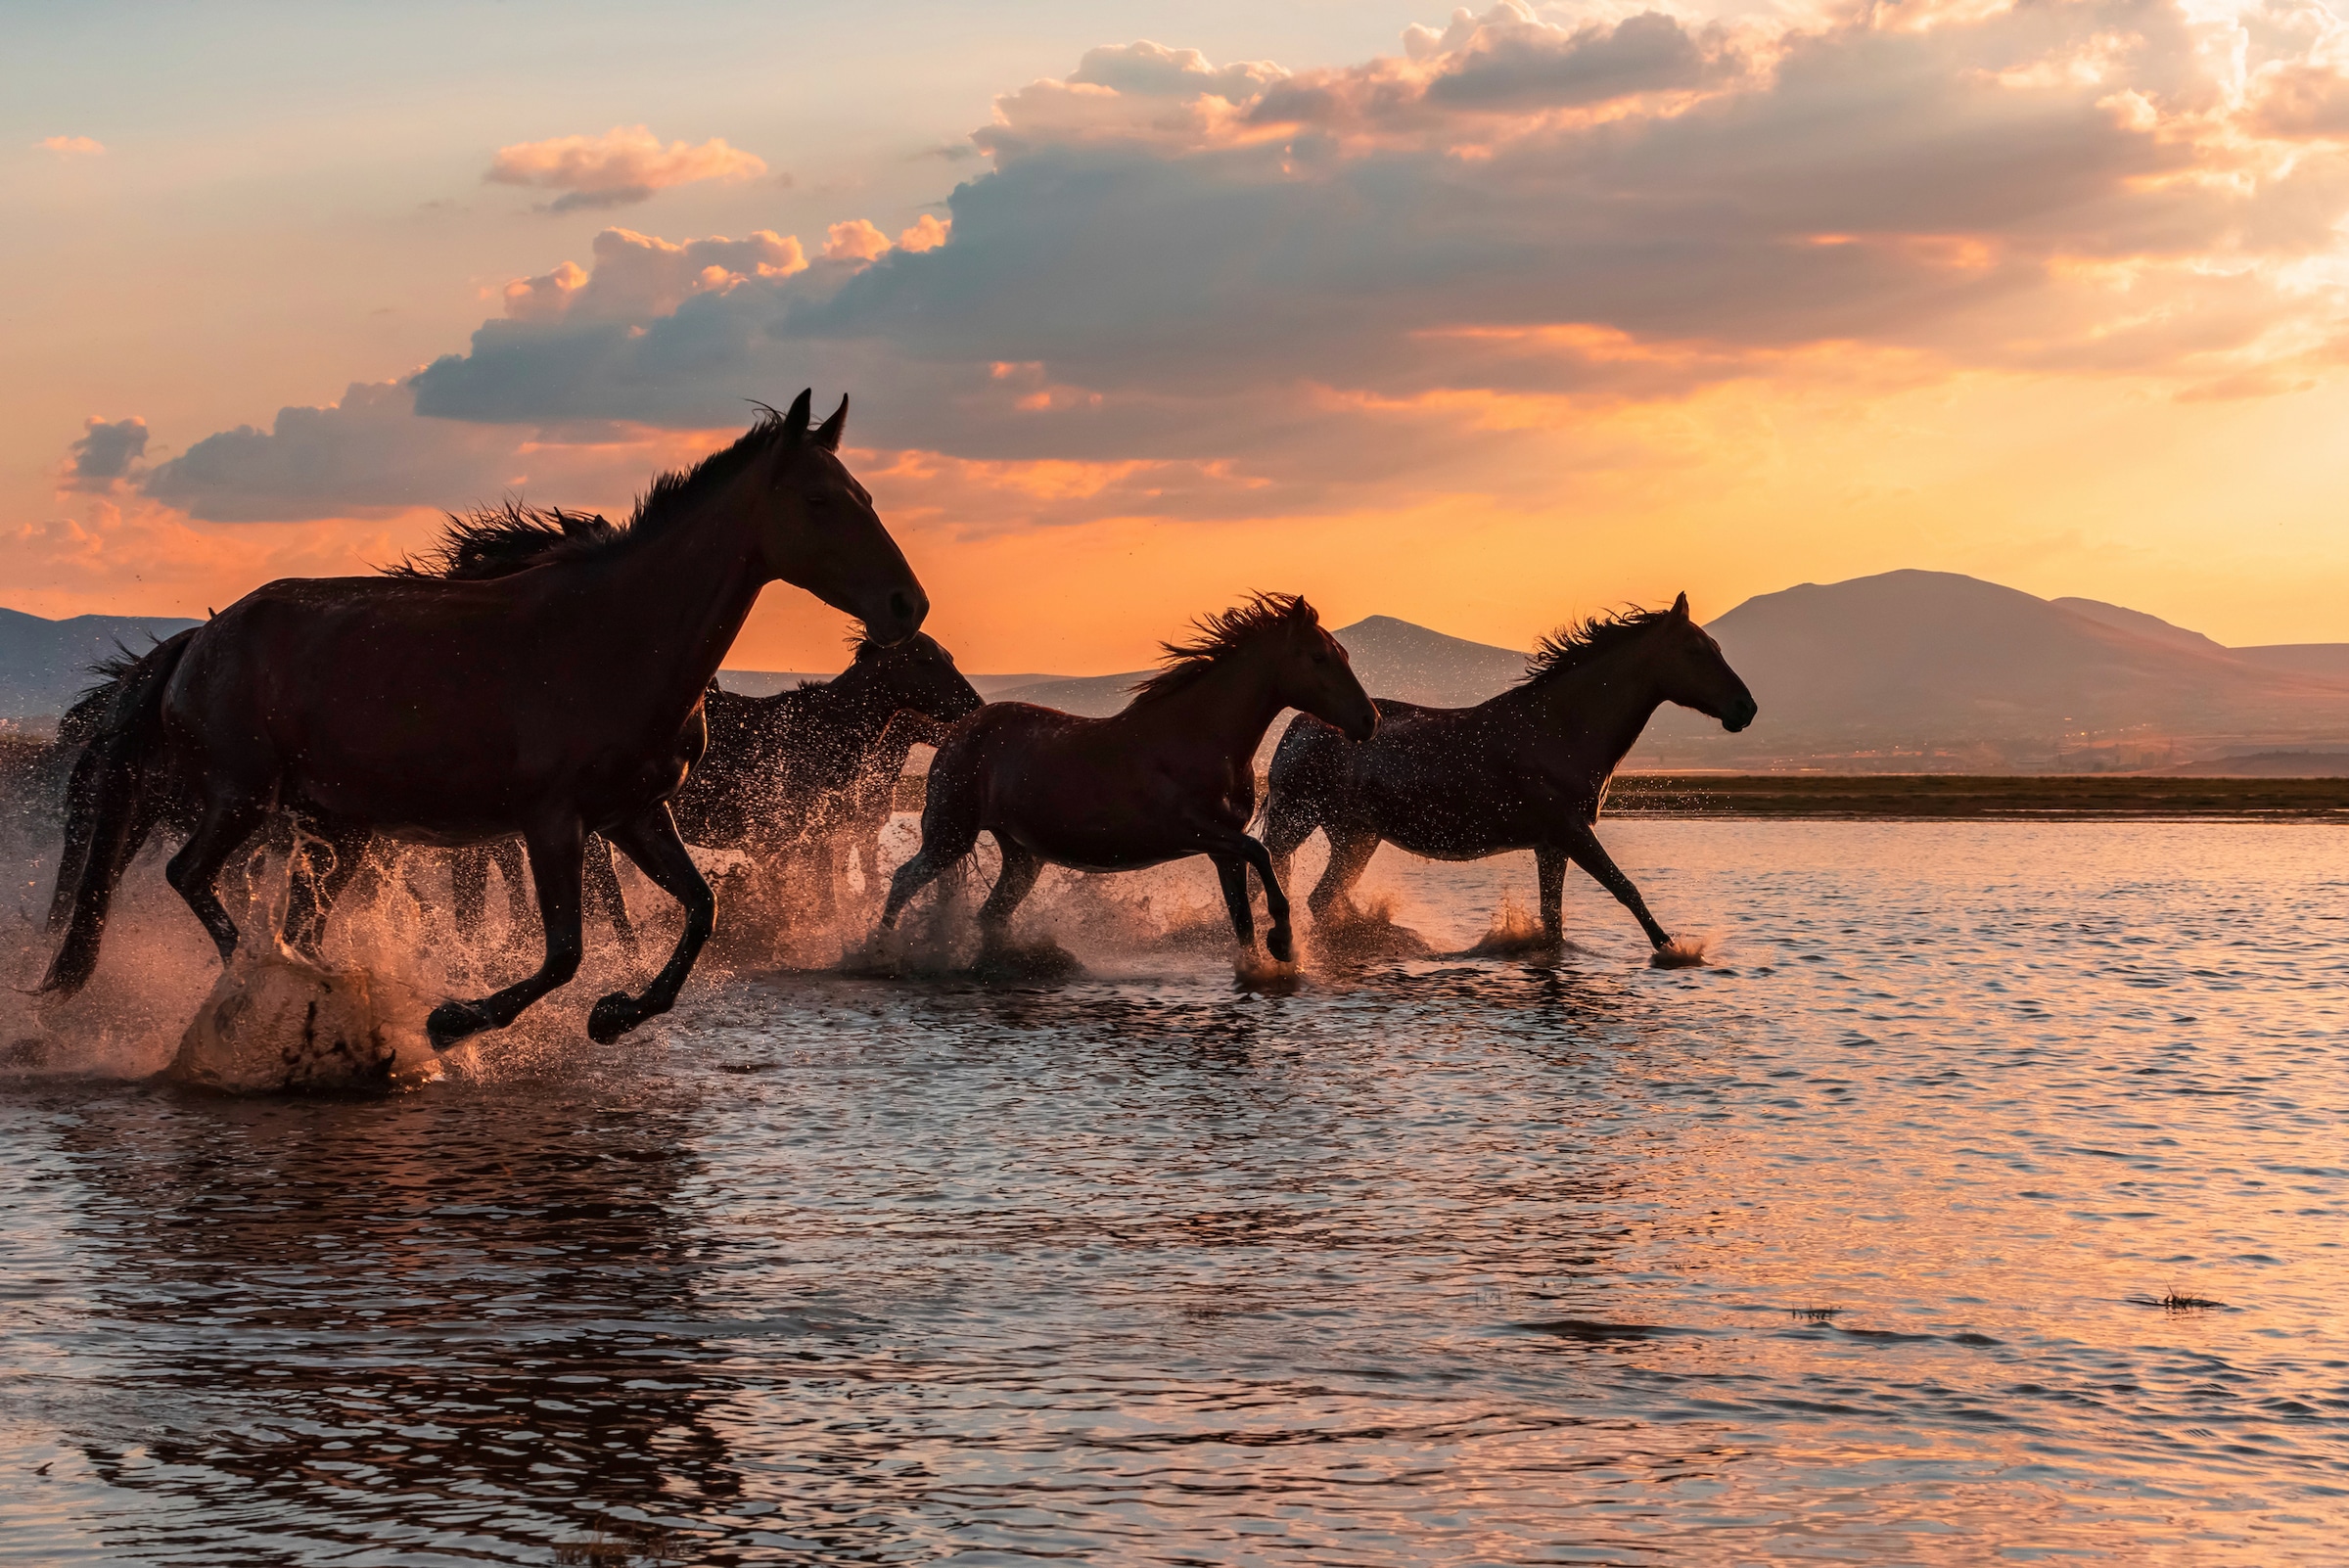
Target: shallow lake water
1847	1247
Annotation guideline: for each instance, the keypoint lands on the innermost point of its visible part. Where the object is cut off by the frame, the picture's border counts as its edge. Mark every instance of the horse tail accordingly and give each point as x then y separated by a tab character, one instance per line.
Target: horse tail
106	801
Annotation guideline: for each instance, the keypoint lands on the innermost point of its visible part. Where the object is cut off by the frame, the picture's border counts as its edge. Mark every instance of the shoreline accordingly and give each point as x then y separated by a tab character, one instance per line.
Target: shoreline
1946	796
1959	797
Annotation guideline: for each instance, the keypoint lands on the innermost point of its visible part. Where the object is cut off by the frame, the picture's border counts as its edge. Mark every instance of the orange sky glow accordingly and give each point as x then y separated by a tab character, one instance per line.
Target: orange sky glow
1536	312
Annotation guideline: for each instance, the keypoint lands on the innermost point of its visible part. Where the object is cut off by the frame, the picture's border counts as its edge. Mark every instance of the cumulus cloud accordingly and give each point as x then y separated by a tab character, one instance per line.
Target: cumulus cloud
104	455
927	234
626	164
74	146
1286	285
857	240
639	276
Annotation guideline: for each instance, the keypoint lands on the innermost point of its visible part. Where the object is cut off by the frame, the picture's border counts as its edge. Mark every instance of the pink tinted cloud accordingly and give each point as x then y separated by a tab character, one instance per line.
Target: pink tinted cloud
74	146
638	276
626	163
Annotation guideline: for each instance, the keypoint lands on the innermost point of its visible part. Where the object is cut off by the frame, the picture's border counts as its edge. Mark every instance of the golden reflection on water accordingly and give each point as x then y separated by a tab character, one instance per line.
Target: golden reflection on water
1847	1248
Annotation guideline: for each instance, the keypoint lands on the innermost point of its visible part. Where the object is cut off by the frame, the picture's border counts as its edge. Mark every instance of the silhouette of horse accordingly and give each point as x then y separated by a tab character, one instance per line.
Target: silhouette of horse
1170	776
553	702
1525	769
488	542
788	777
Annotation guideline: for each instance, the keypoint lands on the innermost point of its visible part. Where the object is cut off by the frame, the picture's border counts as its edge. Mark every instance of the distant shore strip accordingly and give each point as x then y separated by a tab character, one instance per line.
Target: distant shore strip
1952	797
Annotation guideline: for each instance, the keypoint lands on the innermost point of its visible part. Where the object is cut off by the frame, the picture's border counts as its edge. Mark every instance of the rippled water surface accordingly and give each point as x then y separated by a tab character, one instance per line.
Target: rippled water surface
1846	1248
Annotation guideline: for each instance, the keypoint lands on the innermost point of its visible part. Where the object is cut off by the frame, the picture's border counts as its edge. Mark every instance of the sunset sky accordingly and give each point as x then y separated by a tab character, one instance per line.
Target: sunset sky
1480	320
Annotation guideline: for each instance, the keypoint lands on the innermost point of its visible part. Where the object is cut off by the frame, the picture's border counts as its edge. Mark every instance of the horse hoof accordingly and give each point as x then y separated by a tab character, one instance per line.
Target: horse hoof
452	1022
611	1018
1278	944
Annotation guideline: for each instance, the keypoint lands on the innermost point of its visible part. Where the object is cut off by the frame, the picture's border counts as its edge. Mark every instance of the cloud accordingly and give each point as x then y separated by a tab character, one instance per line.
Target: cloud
857	240
104	455
638	276
626	164
1233	287
927	234
74	146
370	457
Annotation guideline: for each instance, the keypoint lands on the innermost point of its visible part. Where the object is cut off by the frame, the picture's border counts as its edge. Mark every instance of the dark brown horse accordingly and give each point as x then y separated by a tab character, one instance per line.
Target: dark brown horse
1527	769
786	777
553	702
1172	775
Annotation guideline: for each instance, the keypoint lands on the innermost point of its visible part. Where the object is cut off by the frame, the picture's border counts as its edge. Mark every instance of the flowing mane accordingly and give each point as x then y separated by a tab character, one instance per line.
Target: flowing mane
1219	634
1577	642
496	541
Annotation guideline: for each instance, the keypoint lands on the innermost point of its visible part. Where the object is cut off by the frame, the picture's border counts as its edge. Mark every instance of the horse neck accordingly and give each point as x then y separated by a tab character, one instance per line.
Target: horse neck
1232	703
1607	702
681	597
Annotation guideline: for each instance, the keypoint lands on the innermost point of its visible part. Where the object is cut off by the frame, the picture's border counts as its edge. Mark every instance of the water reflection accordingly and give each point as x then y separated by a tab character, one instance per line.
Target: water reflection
1830	1252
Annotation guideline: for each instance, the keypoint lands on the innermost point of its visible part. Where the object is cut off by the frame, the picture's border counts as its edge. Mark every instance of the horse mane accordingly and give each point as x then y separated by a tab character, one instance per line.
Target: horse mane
1223	632
1577	642
496	541
499	540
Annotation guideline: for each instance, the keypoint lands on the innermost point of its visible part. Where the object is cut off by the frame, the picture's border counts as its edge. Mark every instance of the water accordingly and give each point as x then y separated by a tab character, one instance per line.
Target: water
1846	1248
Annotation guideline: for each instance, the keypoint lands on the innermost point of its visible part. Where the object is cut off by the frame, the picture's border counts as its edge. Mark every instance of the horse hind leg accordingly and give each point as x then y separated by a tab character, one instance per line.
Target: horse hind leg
649	839
1013	883
947	836
1350	854
555	852
195	871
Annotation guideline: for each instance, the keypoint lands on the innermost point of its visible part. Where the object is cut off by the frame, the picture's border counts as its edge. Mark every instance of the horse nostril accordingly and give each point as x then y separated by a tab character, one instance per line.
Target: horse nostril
900	605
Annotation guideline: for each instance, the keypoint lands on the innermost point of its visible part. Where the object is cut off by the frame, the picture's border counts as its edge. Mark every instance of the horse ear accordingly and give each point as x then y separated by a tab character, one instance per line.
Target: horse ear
1680	607
828	438
795	423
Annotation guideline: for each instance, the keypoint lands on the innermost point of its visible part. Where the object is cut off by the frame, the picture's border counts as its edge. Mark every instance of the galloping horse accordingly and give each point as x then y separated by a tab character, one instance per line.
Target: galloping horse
554	701
785	775
1526	770
1170	776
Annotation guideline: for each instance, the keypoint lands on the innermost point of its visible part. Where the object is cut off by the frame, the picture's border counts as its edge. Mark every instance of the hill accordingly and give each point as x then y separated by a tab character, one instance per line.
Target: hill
45	664
1932	671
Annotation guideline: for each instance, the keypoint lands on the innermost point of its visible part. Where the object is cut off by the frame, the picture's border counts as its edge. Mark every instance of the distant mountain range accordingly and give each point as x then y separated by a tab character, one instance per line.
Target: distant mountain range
45	664
1902	671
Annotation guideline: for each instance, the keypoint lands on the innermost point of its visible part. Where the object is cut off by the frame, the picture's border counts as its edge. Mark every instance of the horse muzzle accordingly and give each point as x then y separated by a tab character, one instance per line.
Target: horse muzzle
1740	716
901	616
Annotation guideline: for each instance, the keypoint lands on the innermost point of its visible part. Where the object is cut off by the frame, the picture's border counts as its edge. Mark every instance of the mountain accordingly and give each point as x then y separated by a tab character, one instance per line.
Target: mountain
45	664
1931	671
766	683
2143	625
1391	658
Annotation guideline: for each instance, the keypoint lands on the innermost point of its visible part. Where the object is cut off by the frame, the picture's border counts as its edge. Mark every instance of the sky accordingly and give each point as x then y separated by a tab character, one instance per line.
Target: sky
1482	320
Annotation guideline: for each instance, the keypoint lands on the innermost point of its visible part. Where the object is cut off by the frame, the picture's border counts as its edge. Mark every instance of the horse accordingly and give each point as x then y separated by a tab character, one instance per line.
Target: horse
789	776
554	701
1171	774
486	542
1525	769
786	777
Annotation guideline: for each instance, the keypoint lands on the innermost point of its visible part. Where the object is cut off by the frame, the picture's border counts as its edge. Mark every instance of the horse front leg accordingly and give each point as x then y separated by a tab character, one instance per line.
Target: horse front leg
1550	869
649	839
1581	842
555	852
1243	852
1232	871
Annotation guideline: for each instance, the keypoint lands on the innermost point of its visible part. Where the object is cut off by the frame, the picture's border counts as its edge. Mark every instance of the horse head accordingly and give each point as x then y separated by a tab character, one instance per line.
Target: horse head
816	528
917	675
1316	675
1690	670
